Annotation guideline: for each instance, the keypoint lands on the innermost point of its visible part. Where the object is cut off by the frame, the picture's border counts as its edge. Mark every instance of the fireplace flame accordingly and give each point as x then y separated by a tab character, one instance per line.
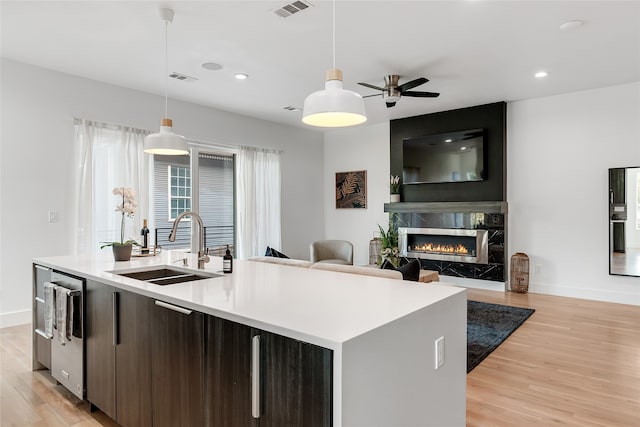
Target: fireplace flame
442	249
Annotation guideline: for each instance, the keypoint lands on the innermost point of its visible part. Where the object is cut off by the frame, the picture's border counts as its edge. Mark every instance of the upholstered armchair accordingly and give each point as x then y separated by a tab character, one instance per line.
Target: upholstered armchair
332	251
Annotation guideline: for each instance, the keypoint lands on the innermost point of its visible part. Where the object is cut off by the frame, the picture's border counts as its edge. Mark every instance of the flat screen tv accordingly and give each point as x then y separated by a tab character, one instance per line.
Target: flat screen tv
446	157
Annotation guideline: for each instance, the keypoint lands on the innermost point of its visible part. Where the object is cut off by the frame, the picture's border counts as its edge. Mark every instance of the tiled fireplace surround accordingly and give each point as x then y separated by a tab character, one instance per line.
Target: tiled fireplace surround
489	216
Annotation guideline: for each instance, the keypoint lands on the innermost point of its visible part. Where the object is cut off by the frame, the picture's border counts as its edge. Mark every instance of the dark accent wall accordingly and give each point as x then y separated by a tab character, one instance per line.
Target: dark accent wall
492	118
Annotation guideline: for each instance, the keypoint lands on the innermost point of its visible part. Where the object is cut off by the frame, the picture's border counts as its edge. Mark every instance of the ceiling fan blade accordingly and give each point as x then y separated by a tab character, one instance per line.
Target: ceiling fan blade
391	104
421	94
412	84
371	86
369	96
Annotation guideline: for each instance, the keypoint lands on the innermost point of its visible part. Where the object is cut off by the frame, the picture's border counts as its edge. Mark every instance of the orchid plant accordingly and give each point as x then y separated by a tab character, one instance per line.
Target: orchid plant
395	184
127	207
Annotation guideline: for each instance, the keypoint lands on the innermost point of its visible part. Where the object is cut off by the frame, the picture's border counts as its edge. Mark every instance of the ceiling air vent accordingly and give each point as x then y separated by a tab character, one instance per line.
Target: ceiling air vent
291	8
291	108
182	77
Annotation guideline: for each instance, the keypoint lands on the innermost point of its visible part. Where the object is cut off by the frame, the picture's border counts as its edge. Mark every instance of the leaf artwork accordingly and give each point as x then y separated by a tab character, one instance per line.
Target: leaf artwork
351	189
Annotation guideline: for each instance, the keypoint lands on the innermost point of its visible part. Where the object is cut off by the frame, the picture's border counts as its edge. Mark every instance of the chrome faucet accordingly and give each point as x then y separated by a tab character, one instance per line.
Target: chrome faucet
203	255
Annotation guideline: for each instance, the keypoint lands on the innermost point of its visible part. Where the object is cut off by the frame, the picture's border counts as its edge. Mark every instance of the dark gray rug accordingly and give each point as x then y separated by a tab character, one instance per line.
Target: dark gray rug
488	325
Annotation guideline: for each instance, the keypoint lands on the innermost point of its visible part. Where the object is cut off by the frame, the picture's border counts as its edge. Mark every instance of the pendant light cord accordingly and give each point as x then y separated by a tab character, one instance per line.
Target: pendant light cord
166	70
334	34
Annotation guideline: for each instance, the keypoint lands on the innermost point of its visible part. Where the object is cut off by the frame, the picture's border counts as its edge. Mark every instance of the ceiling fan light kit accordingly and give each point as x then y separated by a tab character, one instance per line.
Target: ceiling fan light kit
166	142
393	91
333	106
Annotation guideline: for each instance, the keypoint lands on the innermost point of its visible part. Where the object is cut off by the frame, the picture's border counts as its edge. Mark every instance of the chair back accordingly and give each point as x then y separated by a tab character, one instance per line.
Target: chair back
332	251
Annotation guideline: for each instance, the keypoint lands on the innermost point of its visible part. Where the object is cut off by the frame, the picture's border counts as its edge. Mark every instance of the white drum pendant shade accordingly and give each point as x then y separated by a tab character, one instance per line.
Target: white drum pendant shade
166	142
334	106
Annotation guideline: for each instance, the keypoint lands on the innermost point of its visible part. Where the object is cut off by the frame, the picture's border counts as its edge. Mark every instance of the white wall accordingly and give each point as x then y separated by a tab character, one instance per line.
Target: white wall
352	149
38	107
559	150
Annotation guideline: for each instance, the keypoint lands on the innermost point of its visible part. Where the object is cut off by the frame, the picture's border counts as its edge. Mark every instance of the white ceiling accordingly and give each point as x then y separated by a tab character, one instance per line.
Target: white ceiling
474	52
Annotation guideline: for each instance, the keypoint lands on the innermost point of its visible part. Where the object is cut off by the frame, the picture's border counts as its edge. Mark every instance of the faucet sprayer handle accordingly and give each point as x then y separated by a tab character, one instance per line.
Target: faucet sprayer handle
204	256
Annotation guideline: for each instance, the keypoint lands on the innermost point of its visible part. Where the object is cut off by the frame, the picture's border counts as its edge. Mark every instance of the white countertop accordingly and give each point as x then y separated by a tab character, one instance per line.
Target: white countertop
320	307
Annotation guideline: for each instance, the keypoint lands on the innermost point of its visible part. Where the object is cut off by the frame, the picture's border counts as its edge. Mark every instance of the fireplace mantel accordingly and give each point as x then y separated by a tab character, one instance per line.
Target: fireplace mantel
447	207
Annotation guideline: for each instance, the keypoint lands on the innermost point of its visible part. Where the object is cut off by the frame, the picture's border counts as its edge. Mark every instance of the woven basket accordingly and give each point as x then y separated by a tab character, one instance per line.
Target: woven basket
519	278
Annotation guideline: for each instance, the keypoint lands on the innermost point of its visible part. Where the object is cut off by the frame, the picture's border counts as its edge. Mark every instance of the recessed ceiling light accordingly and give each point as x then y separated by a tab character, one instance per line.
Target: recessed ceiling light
463	148
447	140
540	74
211	66
241	76
571	25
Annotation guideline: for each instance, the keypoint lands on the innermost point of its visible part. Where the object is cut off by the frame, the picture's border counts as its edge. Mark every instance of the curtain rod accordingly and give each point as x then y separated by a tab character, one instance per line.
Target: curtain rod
262	150
106	125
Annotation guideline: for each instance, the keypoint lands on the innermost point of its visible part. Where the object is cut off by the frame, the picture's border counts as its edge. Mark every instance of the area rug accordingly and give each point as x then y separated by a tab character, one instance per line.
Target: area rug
488	325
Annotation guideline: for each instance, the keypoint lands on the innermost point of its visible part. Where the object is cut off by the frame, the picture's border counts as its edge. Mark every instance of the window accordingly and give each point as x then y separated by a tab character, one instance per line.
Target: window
174	191
179	190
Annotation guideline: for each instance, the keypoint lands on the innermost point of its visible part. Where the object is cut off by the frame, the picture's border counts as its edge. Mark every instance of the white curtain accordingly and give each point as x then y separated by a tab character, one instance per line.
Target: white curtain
109	156
258	201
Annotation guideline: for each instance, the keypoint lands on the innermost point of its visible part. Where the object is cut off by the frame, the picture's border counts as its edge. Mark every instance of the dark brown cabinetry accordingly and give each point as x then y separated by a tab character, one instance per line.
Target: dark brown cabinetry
100	347
294	386
153	363
228	373
296	383
118	354
618	208
617	186
41	344
177	349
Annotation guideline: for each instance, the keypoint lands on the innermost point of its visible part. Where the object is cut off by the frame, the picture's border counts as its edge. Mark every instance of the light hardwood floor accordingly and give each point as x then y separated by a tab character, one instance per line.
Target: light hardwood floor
573	363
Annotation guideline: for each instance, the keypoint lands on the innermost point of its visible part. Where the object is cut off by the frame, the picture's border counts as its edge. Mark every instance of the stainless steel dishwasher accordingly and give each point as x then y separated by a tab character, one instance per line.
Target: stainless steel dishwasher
67	344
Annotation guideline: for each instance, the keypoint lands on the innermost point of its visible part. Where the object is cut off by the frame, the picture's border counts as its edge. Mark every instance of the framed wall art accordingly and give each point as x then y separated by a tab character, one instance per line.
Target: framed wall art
351	190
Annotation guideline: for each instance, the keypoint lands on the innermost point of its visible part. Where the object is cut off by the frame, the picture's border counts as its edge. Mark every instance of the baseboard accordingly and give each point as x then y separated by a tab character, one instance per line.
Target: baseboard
632	298
474	283
15	318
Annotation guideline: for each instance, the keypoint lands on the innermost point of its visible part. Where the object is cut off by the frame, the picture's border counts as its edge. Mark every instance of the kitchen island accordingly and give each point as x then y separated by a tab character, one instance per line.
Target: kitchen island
379	334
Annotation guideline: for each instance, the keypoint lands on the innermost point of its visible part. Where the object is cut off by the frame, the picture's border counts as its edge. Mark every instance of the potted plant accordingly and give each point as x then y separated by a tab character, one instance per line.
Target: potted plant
126	206
390	251
395	188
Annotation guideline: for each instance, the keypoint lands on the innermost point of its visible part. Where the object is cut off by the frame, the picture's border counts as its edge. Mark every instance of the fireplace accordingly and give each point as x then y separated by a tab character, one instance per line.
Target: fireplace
444	244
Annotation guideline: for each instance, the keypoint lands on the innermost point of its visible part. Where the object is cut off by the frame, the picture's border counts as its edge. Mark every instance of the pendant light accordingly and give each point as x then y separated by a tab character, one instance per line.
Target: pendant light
166	142
334	106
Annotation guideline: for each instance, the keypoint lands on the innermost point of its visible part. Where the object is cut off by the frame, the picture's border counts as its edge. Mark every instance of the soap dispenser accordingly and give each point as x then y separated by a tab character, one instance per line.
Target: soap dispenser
145	237
227	262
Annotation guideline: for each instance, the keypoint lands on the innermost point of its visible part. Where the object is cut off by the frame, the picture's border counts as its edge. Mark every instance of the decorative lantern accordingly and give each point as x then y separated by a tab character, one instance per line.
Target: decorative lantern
375	245
519	278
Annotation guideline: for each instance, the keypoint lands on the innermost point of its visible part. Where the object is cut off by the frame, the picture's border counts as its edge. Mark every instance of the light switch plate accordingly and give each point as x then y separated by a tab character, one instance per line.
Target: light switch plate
53	216
439	350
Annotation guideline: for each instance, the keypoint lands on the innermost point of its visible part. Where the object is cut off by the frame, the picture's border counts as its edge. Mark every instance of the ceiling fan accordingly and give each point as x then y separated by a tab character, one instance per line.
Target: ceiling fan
391	92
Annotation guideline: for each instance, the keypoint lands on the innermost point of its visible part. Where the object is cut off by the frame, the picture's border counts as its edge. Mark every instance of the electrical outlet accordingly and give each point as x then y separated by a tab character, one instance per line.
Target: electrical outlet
439	352
53	216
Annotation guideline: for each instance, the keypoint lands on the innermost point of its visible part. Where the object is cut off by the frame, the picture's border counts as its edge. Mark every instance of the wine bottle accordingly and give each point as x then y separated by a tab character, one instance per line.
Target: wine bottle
227	262
145	237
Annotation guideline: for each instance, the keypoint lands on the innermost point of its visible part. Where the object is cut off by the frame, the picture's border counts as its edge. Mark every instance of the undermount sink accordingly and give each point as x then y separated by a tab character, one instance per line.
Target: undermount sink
166	275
